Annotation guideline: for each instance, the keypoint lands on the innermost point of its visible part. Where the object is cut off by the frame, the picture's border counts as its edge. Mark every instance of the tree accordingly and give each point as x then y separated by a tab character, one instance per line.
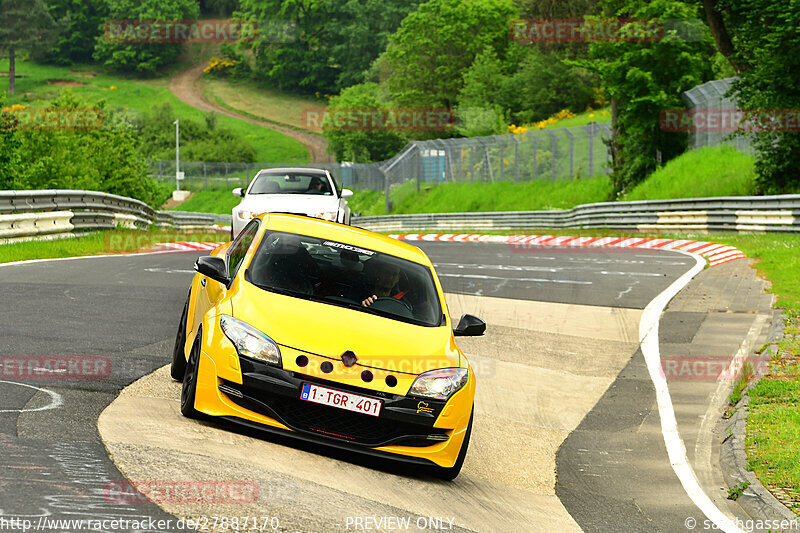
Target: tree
425	59
360	35
24	25
326	45
643	79
147	57
83	21
291	49
763	37
360	145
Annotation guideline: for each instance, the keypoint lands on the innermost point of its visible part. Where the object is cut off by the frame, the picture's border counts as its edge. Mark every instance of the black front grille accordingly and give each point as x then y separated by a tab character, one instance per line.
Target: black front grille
337	423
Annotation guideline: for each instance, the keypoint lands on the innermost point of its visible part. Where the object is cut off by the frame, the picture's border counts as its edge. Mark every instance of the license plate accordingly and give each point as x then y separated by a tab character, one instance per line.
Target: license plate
341	399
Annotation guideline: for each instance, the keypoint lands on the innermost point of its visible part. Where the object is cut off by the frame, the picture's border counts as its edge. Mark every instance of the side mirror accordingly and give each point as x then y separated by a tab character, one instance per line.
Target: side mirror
347	193
239	192
469	326
212	267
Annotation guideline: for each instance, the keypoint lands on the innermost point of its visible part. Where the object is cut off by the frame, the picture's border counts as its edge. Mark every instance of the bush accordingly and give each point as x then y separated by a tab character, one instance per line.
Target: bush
199	141
104	160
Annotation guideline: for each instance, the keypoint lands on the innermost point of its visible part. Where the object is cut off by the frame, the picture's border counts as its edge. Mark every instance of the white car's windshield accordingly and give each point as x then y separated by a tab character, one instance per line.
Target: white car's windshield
292	183
348	276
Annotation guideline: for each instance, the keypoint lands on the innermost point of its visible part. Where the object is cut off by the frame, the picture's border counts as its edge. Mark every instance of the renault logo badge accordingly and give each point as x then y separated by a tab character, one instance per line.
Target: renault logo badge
349	358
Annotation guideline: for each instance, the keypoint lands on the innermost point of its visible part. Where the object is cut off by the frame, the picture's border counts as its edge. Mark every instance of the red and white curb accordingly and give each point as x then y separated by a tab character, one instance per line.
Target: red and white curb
189	246
715	253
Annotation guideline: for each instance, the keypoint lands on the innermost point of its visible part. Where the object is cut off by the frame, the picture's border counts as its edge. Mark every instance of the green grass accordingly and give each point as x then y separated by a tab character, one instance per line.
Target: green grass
258	102
773	434
480	197
139	95
211	201
104	242
711	171
582	119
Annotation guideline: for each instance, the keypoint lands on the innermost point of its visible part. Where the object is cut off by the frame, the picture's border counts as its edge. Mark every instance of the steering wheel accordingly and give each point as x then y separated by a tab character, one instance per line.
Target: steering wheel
392	305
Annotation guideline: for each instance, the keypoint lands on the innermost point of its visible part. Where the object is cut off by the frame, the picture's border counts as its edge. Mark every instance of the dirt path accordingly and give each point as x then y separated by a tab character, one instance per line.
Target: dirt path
186	86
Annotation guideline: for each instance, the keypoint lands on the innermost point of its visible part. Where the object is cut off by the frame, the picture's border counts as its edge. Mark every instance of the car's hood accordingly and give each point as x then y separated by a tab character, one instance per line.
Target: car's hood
329	330
292	203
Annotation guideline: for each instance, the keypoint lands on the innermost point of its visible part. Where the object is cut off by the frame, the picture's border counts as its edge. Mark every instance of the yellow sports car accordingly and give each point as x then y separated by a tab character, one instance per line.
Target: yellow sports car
332	334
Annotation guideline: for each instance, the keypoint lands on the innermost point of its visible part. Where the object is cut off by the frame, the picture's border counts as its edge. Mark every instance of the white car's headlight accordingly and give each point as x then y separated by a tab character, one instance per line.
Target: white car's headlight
246	215
331	216
439	384
249	341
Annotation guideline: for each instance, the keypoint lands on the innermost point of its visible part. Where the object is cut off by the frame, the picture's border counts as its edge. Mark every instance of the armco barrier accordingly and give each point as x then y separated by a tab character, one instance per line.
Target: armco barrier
47	212
737	213
30	213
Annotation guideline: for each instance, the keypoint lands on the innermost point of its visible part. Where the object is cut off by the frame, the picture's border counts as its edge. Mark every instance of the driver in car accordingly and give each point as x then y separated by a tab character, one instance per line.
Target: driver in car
384	278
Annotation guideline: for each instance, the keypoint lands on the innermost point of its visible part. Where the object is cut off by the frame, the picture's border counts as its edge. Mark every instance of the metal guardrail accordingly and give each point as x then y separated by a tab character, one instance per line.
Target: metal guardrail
31	213
28	213
738	213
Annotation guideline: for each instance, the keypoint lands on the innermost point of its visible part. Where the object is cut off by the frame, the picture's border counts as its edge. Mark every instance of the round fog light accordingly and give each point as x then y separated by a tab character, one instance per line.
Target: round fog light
366	375
301	360
326	367
391	381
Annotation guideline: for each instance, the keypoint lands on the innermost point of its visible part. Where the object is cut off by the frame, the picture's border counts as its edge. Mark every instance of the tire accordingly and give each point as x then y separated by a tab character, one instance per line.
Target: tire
189	388
178	367
449	474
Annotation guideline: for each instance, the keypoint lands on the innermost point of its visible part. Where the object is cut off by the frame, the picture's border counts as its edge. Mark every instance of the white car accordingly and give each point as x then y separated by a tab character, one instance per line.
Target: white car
304	191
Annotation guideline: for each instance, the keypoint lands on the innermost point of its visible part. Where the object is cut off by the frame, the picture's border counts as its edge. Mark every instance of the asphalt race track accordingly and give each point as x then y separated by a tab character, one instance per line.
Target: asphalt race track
567	433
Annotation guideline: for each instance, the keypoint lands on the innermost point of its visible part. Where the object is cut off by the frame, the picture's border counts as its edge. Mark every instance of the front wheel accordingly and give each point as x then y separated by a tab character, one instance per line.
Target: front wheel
449	474
189	388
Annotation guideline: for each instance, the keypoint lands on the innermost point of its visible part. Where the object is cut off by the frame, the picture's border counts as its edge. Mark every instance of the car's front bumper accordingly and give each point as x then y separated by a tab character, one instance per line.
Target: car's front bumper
269	398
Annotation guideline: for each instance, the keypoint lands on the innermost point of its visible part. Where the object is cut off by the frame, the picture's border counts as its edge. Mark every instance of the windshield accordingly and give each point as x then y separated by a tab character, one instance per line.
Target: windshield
292	183
347	276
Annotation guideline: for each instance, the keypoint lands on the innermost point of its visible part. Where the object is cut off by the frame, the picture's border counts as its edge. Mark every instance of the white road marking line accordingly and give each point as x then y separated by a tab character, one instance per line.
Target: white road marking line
169	271
676	450
56	400
536	280
529	268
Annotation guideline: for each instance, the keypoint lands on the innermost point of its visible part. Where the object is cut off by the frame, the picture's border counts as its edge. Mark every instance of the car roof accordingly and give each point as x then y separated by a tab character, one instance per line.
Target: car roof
314	227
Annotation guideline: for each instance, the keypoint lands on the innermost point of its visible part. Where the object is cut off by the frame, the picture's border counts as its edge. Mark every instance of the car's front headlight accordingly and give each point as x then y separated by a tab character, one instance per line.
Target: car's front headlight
331	216
249	341
439	384
246	215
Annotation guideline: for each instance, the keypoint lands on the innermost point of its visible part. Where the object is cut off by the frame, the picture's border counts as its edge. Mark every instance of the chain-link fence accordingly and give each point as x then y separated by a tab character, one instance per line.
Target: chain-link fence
711	100
547	154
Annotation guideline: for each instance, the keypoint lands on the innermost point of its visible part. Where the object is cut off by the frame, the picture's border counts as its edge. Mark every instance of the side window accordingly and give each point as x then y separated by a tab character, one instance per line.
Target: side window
240	246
